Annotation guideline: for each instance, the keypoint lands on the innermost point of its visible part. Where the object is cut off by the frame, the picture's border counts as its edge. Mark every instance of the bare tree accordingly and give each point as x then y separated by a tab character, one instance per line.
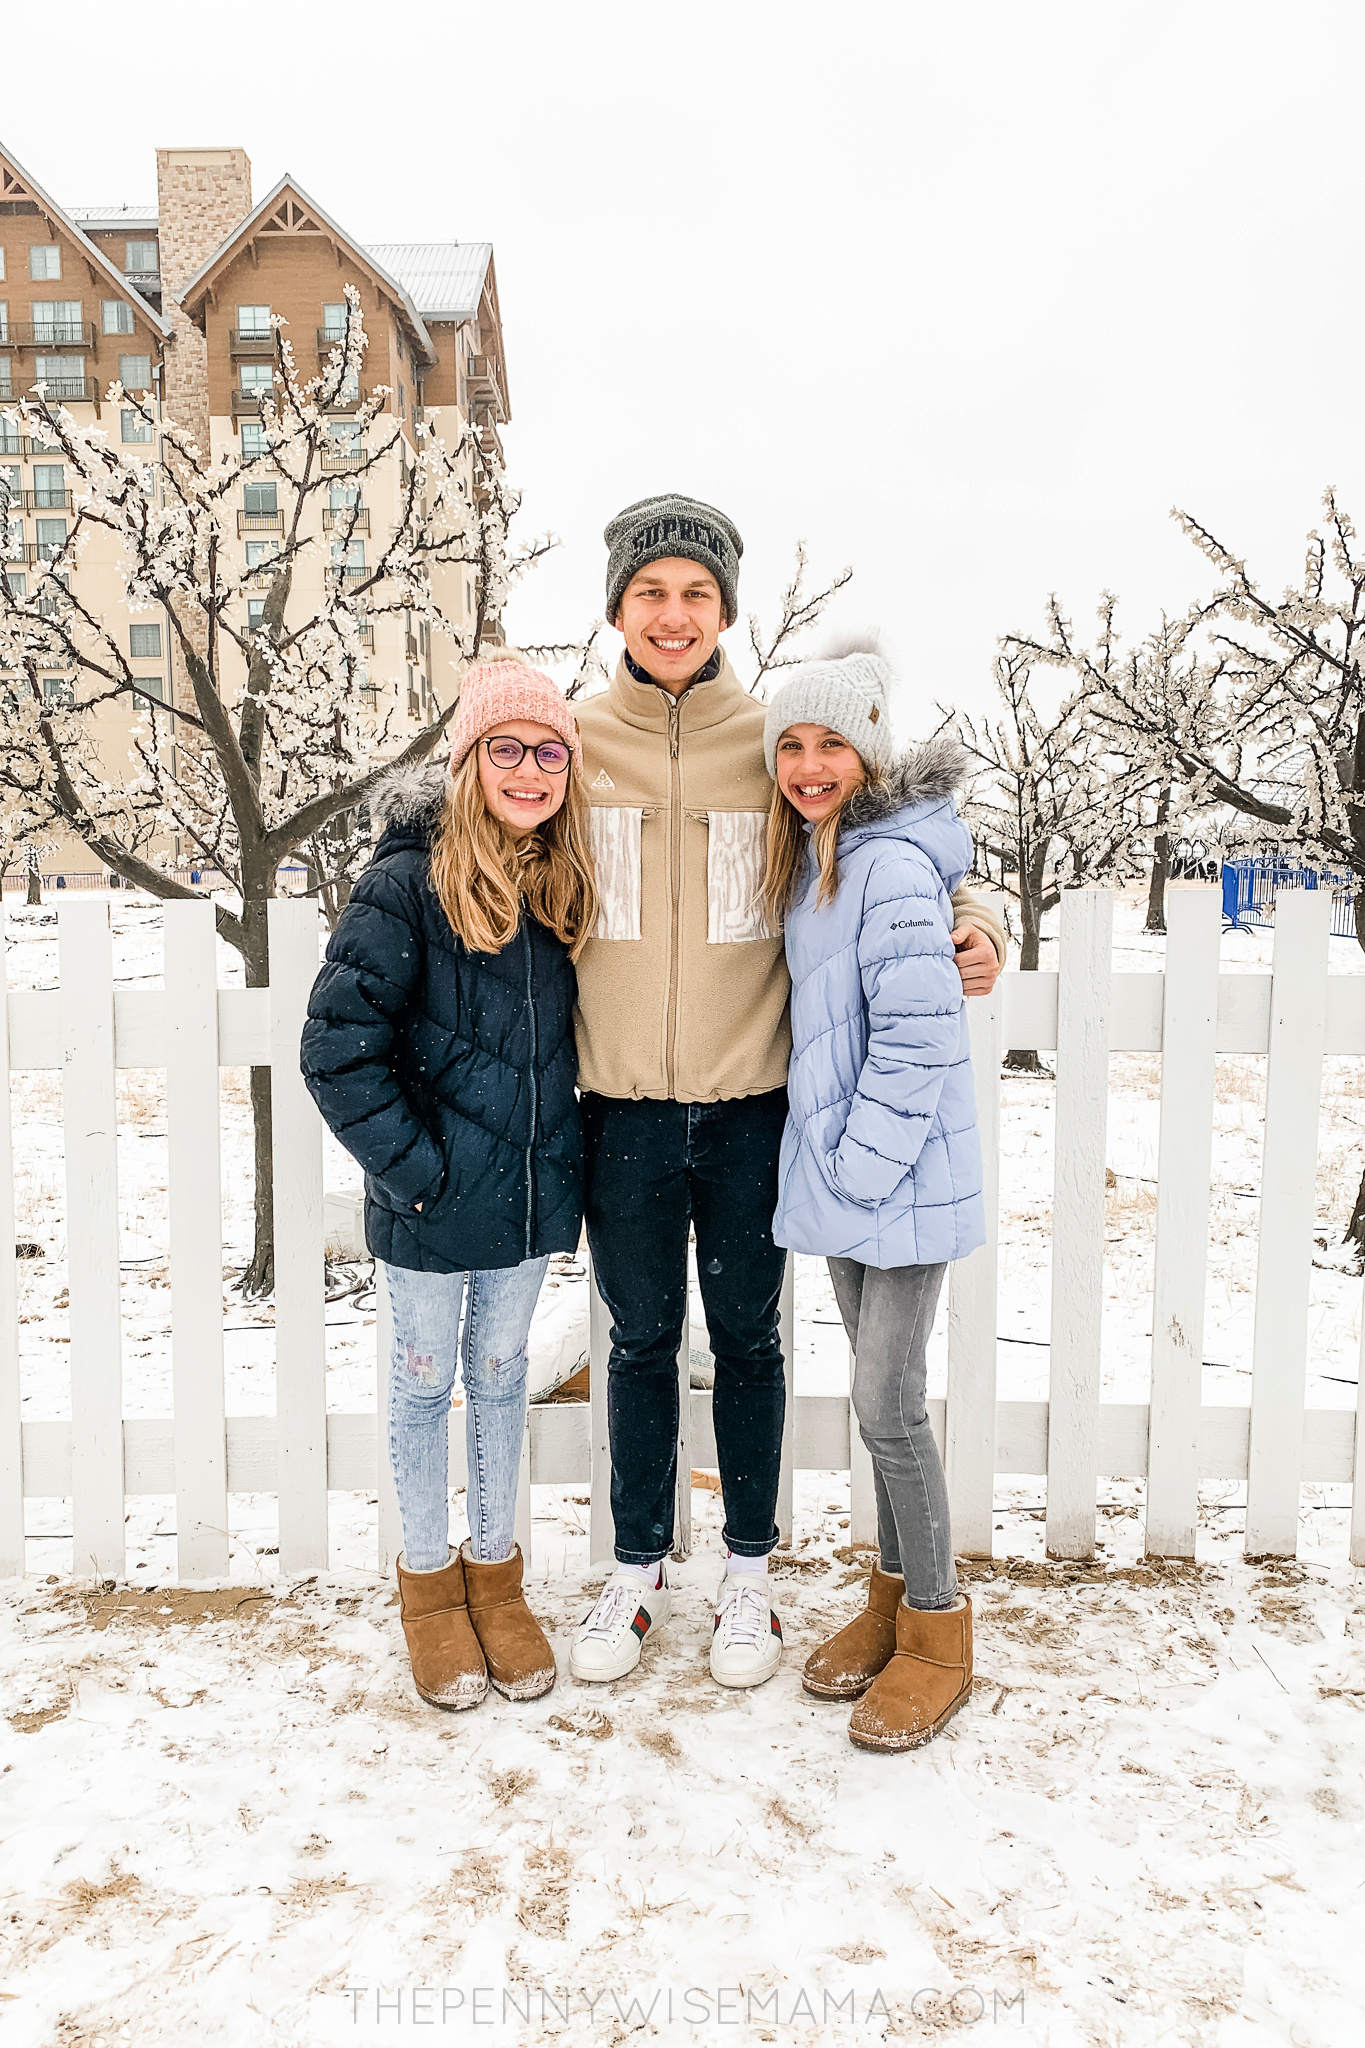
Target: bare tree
245	774
1053	809
797	614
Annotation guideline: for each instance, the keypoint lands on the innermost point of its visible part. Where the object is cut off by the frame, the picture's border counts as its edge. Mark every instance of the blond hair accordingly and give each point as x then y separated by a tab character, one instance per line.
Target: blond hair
482	876
786	854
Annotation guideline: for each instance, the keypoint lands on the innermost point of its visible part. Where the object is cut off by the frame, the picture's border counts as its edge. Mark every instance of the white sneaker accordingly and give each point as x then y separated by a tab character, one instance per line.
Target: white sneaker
746	1640
609	1640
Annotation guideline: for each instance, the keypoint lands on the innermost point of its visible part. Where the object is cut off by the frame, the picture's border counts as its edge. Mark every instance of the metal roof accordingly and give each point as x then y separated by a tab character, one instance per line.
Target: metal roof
445	278
120	216
92	249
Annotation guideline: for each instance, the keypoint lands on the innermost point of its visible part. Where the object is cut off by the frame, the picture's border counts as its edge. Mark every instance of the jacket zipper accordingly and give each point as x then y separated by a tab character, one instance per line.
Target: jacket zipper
675	876
535	1088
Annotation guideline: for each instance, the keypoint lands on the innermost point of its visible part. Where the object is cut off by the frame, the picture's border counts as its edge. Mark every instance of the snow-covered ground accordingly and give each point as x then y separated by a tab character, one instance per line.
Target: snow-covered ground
228	1818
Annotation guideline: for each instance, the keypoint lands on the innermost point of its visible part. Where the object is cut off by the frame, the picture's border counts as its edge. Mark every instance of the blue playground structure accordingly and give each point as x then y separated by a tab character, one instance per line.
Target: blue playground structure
1251	886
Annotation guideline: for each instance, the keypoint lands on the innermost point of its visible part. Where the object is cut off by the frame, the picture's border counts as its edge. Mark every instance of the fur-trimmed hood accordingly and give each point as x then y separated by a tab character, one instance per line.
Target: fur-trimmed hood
924	774
410	797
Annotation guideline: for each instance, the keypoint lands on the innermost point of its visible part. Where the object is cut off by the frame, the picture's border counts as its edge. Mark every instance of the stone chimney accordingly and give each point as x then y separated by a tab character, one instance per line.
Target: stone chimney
201	196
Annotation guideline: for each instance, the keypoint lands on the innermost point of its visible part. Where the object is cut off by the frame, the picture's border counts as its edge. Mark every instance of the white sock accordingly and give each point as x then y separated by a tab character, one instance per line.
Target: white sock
649	1574
426	1570
746	1567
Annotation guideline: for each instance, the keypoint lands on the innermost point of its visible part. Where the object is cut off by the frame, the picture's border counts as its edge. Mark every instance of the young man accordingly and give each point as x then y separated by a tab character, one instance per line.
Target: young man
683	1040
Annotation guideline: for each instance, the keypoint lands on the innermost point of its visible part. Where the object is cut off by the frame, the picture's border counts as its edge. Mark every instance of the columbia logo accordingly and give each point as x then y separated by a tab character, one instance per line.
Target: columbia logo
913	924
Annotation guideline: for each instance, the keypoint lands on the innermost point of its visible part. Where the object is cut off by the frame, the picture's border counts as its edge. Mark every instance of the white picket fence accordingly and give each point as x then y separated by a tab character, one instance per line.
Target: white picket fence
86	1029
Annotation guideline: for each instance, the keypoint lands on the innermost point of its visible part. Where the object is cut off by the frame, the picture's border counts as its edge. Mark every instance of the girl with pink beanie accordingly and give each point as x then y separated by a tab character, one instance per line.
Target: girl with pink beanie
440	1050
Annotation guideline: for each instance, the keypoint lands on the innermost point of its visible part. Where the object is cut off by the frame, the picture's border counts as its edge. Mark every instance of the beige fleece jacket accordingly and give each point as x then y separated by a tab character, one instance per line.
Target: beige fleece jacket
682	989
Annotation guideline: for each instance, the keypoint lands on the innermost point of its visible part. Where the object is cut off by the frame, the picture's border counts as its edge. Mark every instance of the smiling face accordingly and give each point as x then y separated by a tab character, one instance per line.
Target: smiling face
817	770
523	797
672	614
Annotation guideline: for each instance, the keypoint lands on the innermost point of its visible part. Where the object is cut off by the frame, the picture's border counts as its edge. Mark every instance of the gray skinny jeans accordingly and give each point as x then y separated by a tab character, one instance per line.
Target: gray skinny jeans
888	1314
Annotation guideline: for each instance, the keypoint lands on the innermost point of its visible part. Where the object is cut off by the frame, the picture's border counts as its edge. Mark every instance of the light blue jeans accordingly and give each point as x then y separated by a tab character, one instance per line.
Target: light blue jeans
428	1343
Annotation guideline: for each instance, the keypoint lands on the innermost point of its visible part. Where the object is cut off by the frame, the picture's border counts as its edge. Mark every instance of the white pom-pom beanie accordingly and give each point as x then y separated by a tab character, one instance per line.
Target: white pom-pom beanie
847	692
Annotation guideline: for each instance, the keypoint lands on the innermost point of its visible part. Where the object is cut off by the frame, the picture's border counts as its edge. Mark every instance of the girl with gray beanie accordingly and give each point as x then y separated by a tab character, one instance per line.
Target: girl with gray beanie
881	1165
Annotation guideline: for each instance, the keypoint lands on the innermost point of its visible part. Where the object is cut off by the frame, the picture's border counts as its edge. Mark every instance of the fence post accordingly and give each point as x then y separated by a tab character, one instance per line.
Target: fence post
300	1335
1189	1033
1357	1552
1083	997
12	1550
1289	1154
969	1462
195	1204
601	1522
90	1131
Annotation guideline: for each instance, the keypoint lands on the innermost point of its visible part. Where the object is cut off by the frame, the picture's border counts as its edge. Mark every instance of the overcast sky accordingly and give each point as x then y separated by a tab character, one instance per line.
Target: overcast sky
966	296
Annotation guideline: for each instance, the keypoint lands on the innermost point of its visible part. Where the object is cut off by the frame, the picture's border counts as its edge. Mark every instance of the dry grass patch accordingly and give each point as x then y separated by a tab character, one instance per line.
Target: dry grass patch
661	1742
505	1786
545	1908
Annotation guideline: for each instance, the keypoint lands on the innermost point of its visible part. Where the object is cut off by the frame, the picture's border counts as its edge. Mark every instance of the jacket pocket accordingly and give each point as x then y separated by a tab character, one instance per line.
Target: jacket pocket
614	836
736	859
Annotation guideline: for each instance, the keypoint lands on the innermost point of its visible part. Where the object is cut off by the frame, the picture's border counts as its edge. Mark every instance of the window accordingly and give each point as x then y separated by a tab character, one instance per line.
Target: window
58	690
12	539
139	258
259	498
349	555
340	497
133	429
346	435
117	316
259	552
18	583
334	322
398	342
2	262
255	614
135	373
402	403
253	319
144	642
49	486
44	261
51	538
11	484
64	376
57	320
153	686
257	377
4	320
348	391
253	439
6	391
9	433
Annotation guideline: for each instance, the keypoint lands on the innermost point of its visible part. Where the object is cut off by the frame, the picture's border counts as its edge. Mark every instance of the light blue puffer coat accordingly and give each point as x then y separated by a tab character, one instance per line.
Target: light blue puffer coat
880	1158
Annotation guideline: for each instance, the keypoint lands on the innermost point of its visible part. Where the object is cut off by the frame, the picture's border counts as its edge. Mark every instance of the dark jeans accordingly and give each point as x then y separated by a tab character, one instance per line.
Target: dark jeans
653	1168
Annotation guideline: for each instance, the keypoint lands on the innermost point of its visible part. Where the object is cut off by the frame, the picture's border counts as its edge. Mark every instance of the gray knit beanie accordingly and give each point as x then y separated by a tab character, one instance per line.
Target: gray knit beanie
845	690
673	525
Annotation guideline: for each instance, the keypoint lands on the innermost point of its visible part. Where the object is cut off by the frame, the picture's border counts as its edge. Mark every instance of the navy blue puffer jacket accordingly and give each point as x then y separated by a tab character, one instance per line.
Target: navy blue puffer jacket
449	1075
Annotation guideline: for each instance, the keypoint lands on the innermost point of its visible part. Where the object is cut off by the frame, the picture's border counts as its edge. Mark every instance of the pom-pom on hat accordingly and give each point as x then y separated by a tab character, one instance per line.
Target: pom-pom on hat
847	690
502	688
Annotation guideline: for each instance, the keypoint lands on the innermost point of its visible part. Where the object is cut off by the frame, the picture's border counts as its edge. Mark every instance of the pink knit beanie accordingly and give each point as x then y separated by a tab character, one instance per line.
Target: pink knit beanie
504	688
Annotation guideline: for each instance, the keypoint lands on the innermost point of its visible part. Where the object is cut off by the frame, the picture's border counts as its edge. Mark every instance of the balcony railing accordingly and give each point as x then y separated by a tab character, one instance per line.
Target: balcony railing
246	404
18	444
67	391
350	518
336	461
491	445
365	635
350	404
144	280
411	648
247	341
47	501
260	522
349	572
481	379
61	334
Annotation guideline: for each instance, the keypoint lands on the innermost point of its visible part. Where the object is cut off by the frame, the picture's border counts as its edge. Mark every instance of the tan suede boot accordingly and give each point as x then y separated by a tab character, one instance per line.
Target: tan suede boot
923	1685
845	1666
521	1663
447	1663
